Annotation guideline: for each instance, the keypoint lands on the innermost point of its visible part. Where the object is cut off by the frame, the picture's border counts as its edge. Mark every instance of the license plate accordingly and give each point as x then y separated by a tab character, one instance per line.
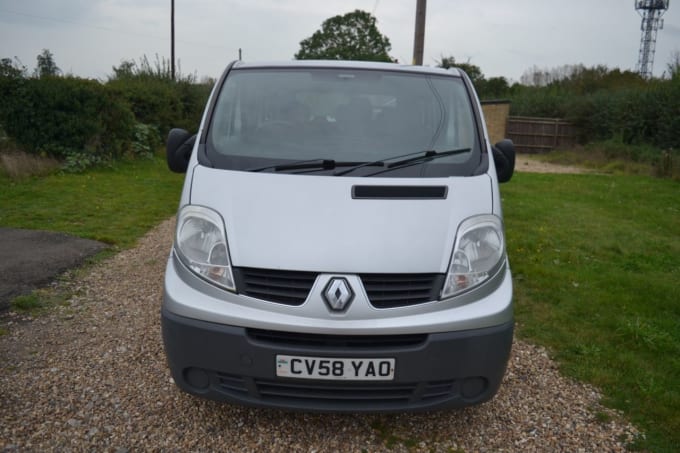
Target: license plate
335	368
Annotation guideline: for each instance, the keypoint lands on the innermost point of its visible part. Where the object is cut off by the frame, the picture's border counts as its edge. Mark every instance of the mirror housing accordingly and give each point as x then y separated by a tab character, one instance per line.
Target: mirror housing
504	158
178	149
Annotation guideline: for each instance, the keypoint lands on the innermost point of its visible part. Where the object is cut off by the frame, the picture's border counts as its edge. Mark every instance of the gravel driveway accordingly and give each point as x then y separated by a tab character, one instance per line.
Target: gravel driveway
91	375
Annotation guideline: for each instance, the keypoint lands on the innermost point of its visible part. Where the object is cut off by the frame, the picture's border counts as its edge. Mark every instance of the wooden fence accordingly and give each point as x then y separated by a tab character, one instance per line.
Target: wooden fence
539	135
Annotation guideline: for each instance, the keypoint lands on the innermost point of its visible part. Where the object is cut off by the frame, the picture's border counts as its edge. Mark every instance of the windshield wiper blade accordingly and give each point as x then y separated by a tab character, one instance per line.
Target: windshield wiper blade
312	164
425	156
428	155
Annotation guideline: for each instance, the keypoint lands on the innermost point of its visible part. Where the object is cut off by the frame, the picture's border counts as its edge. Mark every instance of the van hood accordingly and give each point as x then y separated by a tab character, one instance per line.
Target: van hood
313	223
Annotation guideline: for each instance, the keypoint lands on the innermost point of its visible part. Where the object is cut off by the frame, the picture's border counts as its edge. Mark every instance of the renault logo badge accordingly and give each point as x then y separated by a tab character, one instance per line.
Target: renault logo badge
338	294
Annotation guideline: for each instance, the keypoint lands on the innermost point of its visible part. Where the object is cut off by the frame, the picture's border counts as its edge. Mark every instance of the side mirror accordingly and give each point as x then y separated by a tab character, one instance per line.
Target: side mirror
504	158
178	149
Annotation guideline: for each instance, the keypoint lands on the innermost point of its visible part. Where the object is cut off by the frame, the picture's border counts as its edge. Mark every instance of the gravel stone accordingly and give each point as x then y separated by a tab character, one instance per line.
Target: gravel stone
91	375
527	163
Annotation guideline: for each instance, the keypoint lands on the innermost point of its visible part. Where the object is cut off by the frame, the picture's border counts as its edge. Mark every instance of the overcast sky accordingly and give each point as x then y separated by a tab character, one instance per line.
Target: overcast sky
503	37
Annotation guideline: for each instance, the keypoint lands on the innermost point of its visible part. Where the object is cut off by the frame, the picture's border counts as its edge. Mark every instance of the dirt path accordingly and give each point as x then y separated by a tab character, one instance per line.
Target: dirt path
92	376
529	164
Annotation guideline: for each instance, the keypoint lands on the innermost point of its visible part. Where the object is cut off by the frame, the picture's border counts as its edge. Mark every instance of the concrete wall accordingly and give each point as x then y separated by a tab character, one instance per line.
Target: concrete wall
496	116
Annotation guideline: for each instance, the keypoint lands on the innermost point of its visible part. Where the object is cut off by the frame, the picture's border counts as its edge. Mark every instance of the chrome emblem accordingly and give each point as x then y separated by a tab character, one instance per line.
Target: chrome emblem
338	294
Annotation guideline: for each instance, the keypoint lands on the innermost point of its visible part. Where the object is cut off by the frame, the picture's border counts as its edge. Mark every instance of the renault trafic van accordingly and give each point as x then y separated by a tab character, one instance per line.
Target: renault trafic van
339	242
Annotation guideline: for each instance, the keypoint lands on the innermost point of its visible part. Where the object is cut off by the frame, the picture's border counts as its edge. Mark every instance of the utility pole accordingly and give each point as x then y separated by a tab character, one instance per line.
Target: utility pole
172	38
419	39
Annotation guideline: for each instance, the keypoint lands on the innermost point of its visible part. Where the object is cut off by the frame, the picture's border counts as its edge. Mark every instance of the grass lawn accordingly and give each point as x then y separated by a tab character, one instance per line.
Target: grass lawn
115	205
596	262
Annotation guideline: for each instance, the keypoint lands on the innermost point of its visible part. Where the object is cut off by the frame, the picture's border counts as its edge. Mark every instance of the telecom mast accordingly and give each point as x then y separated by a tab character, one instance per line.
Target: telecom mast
651	12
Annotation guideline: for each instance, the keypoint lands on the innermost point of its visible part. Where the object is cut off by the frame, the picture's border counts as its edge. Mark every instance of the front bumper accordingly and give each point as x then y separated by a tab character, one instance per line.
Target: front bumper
238	365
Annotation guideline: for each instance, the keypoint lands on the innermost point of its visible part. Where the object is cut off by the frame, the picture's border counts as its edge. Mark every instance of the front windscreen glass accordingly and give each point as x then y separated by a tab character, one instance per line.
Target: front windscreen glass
281	116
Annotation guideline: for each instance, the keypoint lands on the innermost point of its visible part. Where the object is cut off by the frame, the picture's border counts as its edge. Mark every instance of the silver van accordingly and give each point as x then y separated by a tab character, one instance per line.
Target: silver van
339	242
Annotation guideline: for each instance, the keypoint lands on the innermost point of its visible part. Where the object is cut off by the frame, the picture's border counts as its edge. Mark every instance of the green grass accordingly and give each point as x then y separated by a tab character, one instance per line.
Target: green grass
38	301
596	262
115	205
28	303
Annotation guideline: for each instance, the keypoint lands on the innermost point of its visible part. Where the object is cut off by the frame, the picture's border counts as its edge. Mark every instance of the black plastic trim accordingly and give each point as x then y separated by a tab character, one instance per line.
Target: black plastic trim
402	290
217	89
297	339
483	150
448	370
399	192
284	287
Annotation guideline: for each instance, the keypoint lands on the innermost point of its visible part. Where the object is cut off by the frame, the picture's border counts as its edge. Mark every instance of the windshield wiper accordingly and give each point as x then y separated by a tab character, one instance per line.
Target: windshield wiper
312	164
426	157
411	159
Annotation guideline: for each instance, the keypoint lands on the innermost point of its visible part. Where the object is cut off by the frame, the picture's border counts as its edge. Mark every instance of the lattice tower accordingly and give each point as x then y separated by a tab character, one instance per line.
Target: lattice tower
651	12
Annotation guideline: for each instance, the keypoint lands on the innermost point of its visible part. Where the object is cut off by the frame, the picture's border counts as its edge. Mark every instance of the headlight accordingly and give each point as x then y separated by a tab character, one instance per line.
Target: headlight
477	253
201	244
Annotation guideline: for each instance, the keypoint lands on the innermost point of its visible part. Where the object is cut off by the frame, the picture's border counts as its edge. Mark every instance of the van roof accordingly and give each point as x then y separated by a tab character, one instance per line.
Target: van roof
343	64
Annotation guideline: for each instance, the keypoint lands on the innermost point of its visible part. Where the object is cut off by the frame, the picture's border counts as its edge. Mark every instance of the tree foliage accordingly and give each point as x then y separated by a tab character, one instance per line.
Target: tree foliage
65	116
156	99
580	79
603	103
473	71
161	69
46	67
87	122
673	66
353	36
495	87
12	68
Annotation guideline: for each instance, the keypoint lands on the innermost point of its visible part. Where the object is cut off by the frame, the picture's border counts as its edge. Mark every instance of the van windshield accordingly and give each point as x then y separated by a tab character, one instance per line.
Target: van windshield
278	117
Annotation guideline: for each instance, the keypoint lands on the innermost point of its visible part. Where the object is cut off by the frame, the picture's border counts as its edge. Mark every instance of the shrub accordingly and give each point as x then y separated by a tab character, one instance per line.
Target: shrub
153	102
639	113
156	99
146	140
60	116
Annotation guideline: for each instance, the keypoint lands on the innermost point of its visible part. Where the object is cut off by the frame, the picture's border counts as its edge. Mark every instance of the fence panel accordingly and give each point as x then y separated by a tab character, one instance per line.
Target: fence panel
539	135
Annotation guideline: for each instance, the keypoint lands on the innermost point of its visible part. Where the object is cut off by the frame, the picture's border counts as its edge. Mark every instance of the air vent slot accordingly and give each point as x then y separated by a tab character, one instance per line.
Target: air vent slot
399	192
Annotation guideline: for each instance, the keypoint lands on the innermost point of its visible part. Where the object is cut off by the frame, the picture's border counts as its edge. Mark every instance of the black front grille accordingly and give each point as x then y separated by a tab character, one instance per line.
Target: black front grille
401	290
233	385
293	287
337	394
335	341
285	287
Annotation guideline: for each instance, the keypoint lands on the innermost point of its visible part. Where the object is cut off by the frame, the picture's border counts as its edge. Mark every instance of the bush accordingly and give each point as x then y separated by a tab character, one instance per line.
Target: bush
63	116
156	99
647	113
153	102
146	141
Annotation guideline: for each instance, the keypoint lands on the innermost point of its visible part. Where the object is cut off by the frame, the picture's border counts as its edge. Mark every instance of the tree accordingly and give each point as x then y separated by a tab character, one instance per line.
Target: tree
673	66
495	87
12	69
473	71
46	65
353	36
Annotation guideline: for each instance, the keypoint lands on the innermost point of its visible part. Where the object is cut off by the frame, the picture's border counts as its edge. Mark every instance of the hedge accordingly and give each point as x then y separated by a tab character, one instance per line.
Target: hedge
647	114
60	116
